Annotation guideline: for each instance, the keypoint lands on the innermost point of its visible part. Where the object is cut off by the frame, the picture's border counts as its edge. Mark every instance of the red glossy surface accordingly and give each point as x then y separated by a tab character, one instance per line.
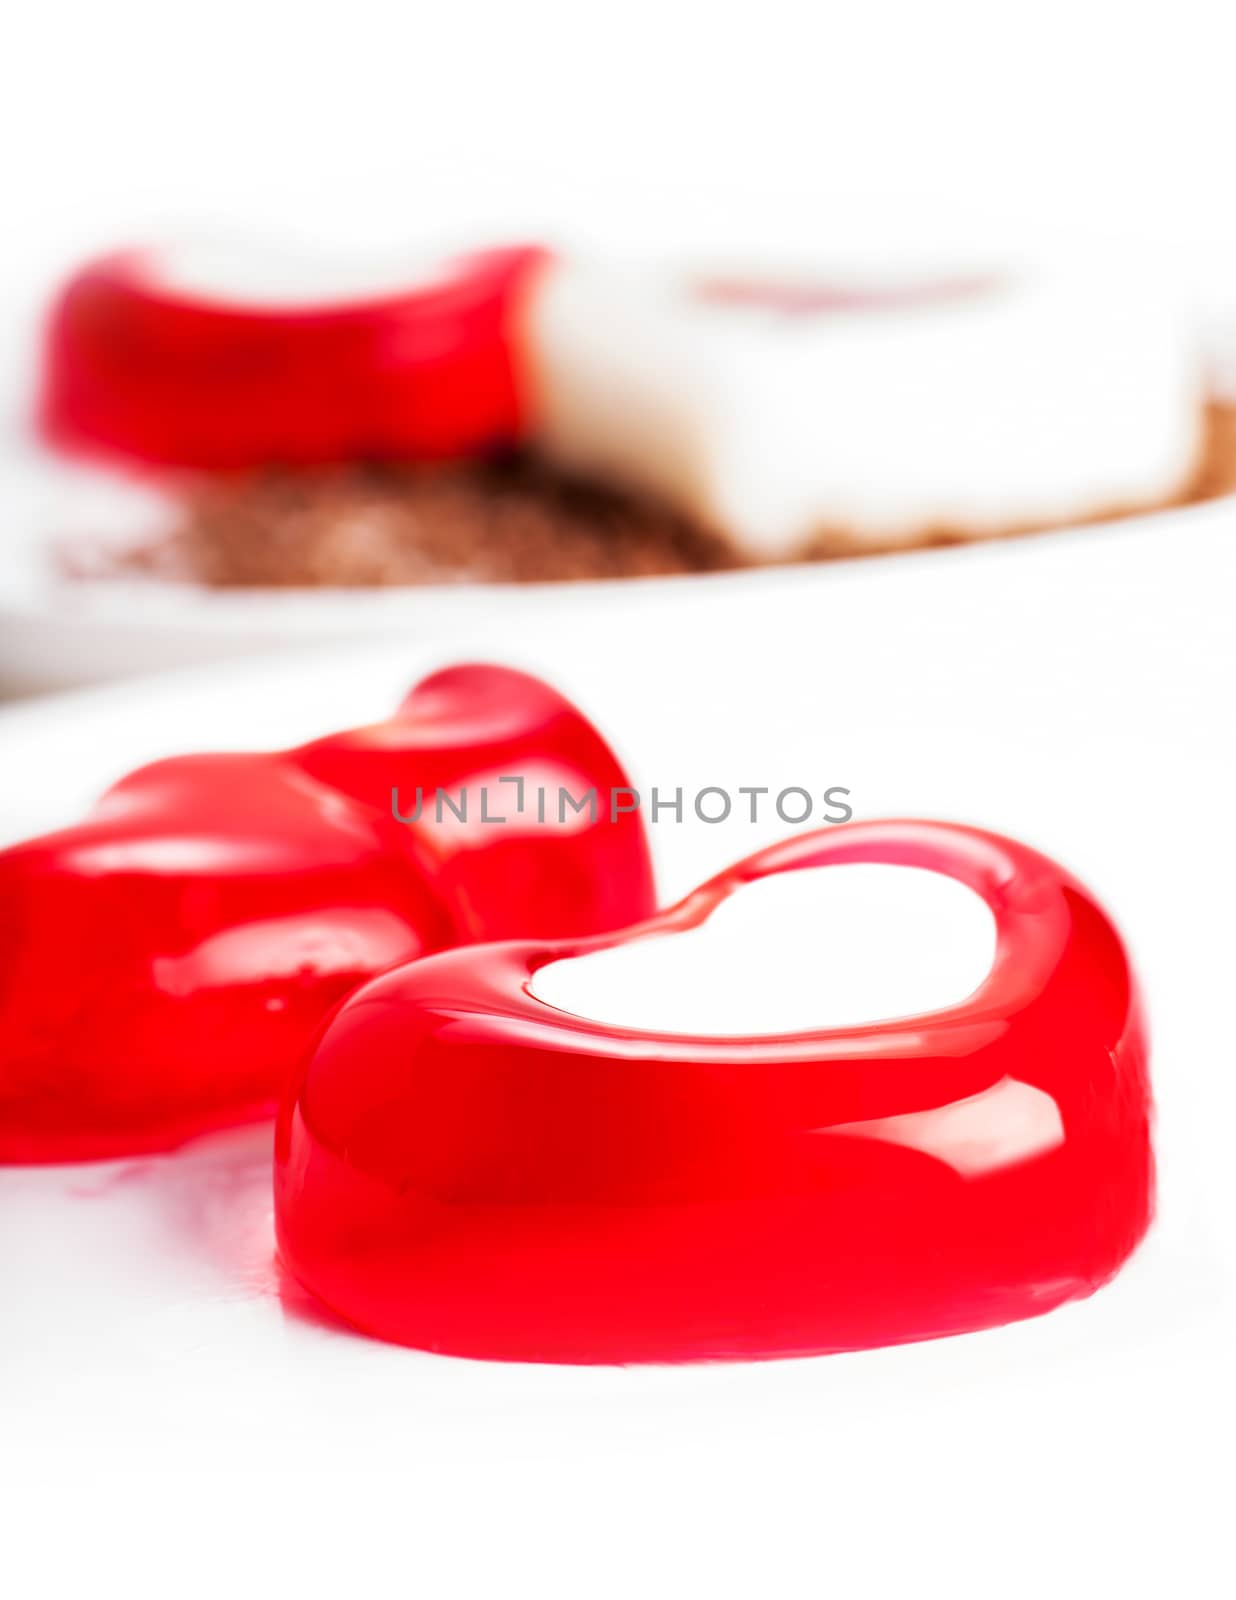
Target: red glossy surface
464	1168
164	963
518	863
136	366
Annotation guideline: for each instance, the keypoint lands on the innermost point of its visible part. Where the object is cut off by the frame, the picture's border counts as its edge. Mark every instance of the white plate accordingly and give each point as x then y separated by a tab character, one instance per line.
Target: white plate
58	633
1076	691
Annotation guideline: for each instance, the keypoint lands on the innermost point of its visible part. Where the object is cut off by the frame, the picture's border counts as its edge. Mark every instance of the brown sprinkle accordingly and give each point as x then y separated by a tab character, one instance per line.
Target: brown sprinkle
508	521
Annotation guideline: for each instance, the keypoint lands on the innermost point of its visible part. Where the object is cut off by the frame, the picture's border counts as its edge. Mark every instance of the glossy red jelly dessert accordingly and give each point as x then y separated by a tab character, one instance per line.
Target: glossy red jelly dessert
491	772
164	963
136	364
464	1168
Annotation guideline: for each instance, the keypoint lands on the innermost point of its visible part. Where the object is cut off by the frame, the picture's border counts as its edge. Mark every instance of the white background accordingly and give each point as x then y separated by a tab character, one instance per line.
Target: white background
167	1425
651	124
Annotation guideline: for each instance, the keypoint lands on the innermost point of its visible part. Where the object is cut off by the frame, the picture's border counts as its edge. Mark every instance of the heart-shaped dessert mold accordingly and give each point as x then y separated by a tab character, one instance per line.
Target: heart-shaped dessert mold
164	963
463	1167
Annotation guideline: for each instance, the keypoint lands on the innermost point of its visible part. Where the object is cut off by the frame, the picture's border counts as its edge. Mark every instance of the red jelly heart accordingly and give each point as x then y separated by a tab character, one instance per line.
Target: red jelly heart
465	1168
511	800
137	364
165	963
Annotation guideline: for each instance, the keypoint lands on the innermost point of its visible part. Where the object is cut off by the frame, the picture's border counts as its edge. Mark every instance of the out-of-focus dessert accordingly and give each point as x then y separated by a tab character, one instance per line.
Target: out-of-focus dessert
881	418
520	416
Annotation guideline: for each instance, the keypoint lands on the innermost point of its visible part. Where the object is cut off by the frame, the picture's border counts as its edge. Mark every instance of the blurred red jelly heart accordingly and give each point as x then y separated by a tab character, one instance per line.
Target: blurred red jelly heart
140	363
465	1168
164	963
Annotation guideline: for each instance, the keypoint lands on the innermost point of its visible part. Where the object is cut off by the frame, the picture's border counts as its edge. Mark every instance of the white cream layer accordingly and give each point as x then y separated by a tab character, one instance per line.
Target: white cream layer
1045	397
825	947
